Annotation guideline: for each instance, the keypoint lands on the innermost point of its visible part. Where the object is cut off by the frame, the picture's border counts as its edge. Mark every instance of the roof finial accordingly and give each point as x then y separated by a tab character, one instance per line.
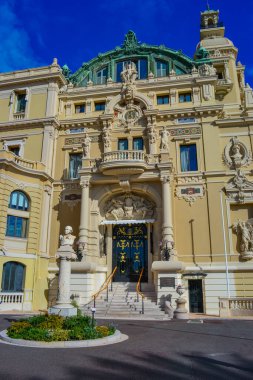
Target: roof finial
208	6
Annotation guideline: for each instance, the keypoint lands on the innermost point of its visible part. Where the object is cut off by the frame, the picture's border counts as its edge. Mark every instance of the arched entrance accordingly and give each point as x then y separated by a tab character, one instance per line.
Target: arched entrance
130	252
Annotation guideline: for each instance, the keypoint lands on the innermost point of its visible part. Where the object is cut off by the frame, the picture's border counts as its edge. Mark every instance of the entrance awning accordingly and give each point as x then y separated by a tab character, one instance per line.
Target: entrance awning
144	221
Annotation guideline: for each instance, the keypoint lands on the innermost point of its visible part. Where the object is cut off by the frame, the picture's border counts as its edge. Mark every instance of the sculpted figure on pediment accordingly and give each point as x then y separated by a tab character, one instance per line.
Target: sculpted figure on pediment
236	154
128	207
86	146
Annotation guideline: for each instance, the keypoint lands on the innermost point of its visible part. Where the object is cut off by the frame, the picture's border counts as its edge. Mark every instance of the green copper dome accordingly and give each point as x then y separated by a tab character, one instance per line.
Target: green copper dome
155	59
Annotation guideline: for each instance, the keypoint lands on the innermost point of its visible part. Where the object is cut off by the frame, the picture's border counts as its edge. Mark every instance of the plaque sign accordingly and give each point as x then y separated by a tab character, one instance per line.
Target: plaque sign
167	282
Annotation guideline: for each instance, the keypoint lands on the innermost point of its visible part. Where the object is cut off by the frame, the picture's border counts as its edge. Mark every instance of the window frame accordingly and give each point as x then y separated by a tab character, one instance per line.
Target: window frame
19	194
159	61
75	171
20	106
15	288
162	97
184	95
135	139
120	140
196	163
103	78
99	106
20	224
82	107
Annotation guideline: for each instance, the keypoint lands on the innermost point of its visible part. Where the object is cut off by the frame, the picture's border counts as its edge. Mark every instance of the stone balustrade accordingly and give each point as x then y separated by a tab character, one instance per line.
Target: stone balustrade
124	155
11	300
28	164
238	306
19	116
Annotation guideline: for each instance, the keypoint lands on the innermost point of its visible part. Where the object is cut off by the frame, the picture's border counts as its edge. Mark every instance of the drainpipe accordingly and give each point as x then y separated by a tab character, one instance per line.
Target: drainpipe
225	246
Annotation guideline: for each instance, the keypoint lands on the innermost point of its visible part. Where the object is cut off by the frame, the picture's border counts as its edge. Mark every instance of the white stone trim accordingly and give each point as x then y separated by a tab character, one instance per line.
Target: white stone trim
20	184
32	256
144	221
8	142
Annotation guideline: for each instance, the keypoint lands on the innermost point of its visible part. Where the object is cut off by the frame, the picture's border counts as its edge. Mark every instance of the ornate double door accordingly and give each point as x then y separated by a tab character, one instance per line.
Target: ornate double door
130	252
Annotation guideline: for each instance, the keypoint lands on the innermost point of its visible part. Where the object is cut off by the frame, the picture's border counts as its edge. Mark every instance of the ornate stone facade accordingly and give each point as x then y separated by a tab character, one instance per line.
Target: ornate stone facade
119	150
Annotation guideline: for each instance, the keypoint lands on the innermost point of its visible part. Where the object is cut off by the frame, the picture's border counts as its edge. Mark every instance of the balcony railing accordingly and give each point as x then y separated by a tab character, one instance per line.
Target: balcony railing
124	155
19	115
9	156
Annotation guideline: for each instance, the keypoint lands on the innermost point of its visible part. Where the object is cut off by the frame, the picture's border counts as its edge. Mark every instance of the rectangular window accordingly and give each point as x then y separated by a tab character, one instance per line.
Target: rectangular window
16	226
186	97
188	158
75	163
185	120
102	76
76	130
163	99
14	149
138	143
100	106
161	69
80	108
141	66
21	103
123	144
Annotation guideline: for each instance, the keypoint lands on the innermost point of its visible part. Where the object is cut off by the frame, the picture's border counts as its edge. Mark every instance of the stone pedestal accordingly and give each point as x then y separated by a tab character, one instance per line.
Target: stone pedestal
181	312
63	305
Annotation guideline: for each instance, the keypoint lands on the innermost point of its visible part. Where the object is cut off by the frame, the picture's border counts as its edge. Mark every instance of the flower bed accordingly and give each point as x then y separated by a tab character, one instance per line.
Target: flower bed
54	328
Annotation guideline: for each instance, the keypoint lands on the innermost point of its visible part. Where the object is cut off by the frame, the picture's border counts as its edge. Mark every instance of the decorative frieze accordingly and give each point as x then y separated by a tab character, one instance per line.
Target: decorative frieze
81	140
185	131
239	188
190	188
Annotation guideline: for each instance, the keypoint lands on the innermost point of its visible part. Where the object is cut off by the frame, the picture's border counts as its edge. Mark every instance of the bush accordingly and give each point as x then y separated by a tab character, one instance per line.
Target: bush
59	335
37	320
53	328
36	333
52	322
78	321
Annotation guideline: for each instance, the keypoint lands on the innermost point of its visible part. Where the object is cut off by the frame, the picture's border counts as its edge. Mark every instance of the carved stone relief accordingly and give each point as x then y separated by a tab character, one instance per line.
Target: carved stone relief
244	232
236	154
239	188
164	140
129	207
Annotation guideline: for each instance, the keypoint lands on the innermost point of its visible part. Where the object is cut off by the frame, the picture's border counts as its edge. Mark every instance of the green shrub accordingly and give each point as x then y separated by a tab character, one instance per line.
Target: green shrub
52	322
78	321
36	333
76	333
59	335
52	328
16	329
37	320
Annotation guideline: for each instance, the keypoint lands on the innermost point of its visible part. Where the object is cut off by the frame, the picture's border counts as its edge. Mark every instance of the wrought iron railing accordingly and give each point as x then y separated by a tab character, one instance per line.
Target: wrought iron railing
105	285
139	293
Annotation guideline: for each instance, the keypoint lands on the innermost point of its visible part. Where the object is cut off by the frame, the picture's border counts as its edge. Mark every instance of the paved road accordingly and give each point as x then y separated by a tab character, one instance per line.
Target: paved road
155	350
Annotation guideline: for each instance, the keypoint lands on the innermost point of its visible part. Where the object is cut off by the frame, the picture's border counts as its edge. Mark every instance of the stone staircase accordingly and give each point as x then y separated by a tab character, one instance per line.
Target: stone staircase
122	303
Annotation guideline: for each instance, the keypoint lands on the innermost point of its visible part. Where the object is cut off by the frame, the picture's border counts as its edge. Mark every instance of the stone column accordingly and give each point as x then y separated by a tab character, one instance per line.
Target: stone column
63	305
48	147
167	210
84	220
45	220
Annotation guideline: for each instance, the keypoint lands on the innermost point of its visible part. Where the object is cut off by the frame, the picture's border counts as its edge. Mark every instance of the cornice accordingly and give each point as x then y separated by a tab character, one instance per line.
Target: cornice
45	73
30	123
234	122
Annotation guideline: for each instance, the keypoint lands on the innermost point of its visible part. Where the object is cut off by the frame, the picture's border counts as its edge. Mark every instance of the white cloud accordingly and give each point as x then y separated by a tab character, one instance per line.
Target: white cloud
15	44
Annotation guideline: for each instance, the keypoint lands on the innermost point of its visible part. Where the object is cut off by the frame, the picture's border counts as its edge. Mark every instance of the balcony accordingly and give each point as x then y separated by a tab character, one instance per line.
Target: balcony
10	157
123	162
223	87
19	115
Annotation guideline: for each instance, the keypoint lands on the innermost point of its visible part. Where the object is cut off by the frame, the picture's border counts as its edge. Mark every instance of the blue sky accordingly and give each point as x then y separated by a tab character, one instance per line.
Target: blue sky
33	32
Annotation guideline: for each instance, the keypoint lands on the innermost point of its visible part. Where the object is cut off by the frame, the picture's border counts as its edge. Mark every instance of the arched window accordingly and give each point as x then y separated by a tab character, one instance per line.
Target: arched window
13	277
18	215
19	201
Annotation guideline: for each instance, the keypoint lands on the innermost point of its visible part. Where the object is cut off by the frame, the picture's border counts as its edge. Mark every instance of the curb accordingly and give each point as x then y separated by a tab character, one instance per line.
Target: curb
117	337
